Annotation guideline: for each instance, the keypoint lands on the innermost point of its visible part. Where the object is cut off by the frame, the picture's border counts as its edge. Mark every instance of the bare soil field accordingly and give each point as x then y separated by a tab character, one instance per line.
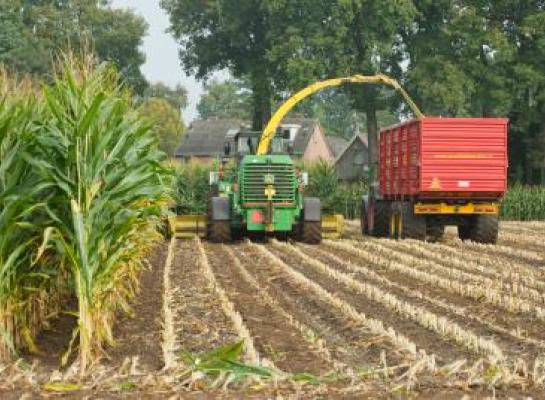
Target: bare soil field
356	317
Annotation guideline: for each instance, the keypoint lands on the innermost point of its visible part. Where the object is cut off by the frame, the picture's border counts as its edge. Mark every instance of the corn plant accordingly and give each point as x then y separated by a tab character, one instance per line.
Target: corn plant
26	287
191	188
524	203
107	189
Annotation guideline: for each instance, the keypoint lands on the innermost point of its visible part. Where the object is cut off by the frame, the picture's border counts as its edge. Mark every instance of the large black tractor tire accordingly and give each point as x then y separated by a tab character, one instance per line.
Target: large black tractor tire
219	231
485	229
464	231
381	219
311	232
434	231
413	226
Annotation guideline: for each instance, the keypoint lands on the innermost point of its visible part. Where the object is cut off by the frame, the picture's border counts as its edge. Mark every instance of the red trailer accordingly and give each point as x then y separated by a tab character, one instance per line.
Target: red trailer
435	172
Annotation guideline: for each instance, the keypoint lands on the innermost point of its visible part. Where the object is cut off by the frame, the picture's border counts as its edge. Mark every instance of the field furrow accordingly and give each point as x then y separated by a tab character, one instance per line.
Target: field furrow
346	338
336	300
445	329
464	271
307	333
199	321
516	254
251	354
493	267
452	280
414	332
463	296
514	343
272	336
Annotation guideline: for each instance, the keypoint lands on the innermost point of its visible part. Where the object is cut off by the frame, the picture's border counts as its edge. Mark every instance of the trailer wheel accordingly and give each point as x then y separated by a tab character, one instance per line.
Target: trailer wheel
311	232
434	232
219	231
484	229
464	232
412	225
380	212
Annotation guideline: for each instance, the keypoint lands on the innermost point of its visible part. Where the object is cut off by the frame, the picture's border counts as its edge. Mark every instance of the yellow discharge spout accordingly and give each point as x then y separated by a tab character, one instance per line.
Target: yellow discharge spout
287	106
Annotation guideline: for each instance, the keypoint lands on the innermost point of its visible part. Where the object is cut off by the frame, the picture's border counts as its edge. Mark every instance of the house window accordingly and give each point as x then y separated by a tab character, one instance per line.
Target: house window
359	159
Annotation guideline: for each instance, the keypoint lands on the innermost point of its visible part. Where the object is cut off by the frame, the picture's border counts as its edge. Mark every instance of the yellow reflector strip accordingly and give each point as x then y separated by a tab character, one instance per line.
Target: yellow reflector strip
456	209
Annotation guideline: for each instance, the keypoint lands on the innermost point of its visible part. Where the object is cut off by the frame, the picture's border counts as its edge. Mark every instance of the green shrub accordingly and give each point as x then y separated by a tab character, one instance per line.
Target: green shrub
524	203
337	197
191	188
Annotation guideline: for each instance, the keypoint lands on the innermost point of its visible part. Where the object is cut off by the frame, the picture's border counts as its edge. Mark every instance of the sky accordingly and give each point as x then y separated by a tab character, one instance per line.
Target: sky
162	63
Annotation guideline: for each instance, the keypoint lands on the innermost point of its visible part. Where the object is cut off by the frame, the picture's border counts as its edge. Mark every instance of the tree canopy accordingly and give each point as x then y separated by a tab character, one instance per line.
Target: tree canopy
230	99
33	31
166	121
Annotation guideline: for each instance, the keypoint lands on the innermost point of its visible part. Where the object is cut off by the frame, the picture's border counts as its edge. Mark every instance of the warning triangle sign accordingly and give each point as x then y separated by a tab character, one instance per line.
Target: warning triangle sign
435	184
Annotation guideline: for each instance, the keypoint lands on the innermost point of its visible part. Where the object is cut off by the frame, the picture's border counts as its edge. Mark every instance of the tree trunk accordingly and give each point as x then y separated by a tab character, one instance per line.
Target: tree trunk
372	141
261	88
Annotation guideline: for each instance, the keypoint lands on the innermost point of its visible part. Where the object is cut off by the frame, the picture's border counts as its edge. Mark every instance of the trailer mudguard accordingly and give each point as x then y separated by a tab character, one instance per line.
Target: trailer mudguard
312	210
221	210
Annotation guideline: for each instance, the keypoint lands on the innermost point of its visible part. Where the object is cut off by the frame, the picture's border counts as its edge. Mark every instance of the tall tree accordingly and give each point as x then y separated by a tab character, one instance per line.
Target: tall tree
340	38
229	34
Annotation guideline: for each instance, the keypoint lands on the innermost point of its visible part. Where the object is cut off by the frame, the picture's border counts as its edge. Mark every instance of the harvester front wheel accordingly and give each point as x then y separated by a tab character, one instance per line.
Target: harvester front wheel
311	232
219	231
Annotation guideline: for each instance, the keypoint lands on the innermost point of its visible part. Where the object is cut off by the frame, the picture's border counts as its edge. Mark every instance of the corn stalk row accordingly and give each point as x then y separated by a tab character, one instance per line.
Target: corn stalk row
169	331
436	262
414	293
473	291
438	324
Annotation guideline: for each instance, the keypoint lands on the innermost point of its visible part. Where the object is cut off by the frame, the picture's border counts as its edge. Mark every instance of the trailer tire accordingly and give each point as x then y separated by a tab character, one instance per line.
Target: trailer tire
311	232
485	229
413	226
381	219
434	232
219	231
464	232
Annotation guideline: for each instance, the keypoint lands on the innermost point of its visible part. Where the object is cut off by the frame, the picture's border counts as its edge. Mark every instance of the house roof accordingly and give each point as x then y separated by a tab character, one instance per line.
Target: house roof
207	137
304	133
337	144
360	138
